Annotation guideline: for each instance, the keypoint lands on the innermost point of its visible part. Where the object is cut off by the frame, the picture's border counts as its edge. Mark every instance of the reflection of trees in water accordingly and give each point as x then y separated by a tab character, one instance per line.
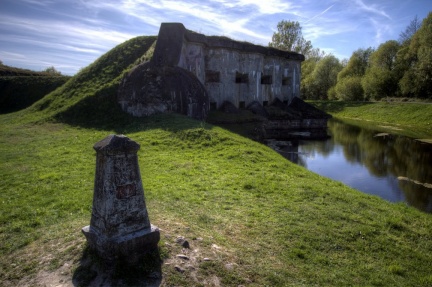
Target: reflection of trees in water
387	154
416	195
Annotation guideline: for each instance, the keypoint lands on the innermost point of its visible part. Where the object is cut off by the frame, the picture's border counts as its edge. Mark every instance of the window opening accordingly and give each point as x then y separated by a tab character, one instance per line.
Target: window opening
266	80
286	81
212	76
241	78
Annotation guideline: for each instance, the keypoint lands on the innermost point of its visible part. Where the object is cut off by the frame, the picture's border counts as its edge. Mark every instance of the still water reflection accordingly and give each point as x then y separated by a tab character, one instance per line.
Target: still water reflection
396	168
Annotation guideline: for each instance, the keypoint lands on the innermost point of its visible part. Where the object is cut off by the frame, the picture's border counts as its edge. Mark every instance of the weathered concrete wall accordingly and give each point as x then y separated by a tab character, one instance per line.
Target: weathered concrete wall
192	59
284	74
149	89
190	73
200	54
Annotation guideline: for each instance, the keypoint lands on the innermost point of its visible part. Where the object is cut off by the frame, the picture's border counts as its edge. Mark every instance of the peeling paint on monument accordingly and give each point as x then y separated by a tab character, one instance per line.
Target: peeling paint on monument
120	227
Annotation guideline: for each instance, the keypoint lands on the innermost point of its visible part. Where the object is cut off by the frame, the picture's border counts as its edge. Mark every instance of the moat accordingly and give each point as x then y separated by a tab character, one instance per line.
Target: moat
396	168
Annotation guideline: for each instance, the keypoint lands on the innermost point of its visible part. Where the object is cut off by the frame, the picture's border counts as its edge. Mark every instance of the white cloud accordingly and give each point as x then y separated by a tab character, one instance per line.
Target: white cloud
268	7
372	8
71	34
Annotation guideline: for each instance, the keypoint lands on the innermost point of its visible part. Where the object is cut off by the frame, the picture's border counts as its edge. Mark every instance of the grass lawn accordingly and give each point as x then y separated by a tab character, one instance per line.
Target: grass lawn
259	219
411	119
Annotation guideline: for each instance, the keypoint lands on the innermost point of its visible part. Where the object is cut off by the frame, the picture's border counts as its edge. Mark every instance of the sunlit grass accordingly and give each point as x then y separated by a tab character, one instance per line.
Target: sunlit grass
279	223
411	119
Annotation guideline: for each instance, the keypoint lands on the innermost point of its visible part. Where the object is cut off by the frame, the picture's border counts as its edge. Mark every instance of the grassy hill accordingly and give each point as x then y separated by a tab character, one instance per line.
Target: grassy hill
20	88
250	216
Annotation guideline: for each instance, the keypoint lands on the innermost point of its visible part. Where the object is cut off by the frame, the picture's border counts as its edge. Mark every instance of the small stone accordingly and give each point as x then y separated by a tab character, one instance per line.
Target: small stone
185	244
180	239
182	256
206	259
214	246
179	269
229	266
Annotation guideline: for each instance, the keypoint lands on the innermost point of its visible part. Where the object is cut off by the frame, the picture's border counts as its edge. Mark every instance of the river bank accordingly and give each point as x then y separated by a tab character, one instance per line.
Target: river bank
410	119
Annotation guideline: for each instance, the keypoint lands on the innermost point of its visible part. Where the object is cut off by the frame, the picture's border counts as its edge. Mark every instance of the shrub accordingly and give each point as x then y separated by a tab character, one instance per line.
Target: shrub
349	89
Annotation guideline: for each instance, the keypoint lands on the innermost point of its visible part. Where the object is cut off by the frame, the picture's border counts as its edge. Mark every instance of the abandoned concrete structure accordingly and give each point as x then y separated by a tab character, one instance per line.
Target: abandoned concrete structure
225	71
191	73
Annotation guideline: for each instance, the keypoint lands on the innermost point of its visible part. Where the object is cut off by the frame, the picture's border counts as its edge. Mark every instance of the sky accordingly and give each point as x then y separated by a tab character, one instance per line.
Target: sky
71	34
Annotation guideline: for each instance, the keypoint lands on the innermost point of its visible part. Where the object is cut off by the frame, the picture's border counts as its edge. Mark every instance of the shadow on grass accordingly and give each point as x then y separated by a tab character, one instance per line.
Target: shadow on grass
94	271
101	112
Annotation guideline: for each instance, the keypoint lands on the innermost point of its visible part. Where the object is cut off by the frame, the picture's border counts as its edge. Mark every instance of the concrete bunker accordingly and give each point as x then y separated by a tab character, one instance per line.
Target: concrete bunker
192	74
218	68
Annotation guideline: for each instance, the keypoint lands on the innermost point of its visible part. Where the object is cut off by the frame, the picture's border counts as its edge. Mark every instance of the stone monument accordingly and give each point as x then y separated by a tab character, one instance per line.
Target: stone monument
120	228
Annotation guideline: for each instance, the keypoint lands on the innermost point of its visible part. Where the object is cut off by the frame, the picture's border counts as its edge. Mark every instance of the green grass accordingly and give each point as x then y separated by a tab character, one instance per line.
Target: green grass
278	223
259	219
411	119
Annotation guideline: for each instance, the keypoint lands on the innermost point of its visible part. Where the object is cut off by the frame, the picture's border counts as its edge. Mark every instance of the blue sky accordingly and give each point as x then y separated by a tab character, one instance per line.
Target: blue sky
71	34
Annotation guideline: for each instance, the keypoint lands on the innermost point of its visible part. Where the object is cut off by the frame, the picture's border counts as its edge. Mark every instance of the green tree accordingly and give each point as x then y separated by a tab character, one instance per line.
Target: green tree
289	37
348	85
52	71
357	64
323	77
307	68
349	89
382	76
417	60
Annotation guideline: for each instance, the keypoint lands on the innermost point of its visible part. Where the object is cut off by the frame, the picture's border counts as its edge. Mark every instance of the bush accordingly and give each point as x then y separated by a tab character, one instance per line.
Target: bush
349	89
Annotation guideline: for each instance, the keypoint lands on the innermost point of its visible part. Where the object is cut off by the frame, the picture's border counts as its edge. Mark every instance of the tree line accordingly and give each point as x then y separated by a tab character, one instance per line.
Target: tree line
397	68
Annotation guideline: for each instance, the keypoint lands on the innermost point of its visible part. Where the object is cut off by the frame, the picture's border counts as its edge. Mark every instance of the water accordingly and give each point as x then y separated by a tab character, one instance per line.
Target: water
396	168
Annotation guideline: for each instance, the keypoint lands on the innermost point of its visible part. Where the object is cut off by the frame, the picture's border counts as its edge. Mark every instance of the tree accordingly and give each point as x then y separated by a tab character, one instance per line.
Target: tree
323	77
349	89
357	64
52	71
289	37
410	30
417	78
382	76
307	68
348	85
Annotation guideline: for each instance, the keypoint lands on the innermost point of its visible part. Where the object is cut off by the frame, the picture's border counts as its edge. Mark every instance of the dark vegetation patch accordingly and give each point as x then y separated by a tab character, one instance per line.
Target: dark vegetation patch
19	92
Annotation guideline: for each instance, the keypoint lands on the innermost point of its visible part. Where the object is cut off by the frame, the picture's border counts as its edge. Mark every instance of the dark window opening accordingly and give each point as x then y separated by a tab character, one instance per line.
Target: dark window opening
286	81
241	78
212	76
265	103
213	106
266	80
242	105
